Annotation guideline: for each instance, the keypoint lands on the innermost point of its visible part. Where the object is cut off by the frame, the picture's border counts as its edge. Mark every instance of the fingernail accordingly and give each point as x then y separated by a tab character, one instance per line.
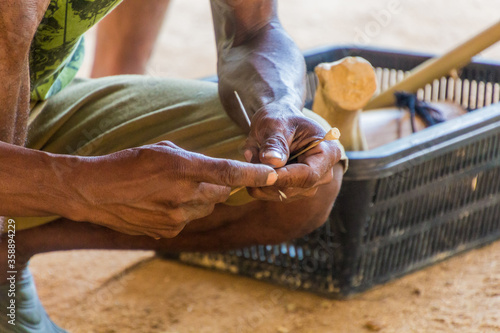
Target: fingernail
273	154
271	178
248	155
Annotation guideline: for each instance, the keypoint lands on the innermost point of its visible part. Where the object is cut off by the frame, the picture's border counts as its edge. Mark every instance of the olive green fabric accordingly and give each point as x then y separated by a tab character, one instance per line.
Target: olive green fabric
57	48
101	116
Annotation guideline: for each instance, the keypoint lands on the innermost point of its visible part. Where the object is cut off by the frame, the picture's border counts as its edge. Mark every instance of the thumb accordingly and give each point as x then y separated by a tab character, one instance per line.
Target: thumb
274	151
234	173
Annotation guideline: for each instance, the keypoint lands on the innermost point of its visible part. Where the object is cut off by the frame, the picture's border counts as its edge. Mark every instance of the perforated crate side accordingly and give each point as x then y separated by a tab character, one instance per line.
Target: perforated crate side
414	202
310	263
424	213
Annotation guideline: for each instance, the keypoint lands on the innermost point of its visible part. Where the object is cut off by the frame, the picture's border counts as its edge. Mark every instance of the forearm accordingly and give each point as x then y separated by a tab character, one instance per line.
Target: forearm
252	43
277	64
14	98
19	20
34	183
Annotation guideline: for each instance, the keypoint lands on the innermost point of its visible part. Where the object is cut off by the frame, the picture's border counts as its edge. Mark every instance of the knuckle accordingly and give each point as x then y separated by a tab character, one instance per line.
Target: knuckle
311	179
223	194
311	193
210	194
229	172
206	210
329	176
200	210
177	218
184	165
335	150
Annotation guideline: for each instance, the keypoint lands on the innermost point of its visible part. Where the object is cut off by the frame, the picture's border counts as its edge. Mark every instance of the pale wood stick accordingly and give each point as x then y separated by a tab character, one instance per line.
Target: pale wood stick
332	134
236	190
245	114
282	195
440	66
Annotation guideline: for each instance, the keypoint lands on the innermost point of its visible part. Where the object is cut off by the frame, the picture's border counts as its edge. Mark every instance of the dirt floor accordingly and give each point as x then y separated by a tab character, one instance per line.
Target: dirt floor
119	291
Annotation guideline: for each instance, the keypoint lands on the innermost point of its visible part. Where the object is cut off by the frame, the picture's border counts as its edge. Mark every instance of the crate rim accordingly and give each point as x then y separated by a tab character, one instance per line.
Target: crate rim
347	48
388	159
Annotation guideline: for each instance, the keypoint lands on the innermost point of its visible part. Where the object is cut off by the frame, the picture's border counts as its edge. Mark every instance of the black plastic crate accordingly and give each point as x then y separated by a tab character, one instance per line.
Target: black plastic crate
402	206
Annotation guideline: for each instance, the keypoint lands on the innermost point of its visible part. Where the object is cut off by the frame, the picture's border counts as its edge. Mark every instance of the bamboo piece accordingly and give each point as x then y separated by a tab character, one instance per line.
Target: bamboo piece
245	114
440	66
344	88
236	190
282	195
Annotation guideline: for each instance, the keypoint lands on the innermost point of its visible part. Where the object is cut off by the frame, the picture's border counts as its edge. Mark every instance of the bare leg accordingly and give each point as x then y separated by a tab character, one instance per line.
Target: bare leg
126	37
18	296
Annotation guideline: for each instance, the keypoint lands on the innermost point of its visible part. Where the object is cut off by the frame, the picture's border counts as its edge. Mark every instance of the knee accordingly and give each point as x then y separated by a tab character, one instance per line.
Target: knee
299	218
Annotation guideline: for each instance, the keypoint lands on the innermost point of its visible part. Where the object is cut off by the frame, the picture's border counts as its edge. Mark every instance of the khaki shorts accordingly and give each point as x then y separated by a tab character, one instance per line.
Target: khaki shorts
101	116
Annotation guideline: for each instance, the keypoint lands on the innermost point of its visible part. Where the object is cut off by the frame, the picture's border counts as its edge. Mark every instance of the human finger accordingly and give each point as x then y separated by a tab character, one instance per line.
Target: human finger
232	173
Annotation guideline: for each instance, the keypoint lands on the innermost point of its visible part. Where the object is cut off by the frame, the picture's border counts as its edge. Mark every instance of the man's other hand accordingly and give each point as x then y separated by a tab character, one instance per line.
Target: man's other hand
157	189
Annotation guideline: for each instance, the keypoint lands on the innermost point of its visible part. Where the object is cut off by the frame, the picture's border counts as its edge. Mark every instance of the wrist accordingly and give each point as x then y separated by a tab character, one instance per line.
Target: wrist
63	177
282	108
34	183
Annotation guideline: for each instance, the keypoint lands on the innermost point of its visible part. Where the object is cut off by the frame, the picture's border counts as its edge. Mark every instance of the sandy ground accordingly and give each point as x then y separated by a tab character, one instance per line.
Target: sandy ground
119	291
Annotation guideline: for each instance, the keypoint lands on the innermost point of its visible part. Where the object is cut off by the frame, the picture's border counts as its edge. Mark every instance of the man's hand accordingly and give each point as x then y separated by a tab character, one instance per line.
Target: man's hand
157	189
274	138
260	61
